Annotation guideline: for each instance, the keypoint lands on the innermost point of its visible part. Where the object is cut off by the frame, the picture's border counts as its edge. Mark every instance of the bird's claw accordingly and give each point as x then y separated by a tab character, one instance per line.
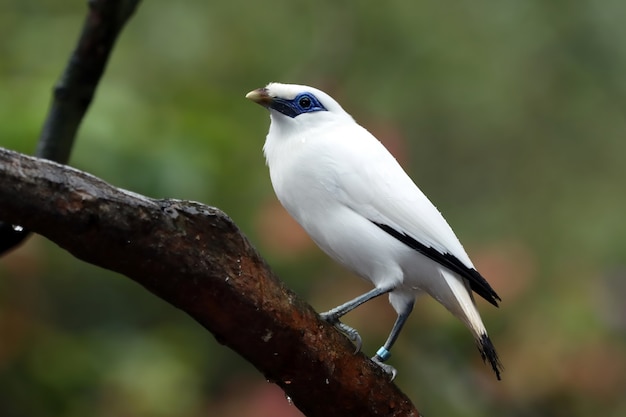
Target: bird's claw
350	332
390	370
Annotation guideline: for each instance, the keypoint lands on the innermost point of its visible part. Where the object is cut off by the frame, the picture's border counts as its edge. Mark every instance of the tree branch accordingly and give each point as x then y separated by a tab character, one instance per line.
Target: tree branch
194	257
75	90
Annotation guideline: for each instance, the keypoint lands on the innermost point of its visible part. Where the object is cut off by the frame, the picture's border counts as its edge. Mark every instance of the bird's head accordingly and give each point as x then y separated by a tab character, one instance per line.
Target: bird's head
296	106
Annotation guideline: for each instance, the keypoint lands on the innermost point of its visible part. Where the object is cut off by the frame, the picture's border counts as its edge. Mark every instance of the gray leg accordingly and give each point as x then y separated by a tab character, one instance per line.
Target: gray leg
383	353
332	316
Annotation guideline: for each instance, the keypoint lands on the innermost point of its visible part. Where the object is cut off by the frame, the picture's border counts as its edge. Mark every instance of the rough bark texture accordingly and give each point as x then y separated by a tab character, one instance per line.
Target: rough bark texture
194	257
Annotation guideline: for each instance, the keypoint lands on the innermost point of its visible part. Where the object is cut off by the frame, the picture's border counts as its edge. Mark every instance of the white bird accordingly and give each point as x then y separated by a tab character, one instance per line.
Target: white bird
360	207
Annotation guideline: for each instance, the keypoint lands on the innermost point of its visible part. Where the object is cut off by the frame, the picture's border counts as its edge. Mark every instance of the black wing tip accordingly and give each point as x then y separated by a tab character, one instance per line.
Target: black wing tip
481	287
478	283
488	353
492	297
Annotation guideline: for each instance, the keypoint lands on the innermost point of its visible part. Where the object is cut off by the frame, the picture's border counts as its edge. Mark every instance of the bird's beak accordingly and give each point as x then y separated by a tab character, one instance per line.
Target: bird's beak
260	96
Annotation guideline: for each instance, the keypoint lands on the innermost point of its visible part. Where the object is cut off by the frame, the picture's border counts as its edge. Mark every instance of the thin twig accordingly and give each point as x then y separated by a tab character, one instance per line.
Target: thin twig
75	90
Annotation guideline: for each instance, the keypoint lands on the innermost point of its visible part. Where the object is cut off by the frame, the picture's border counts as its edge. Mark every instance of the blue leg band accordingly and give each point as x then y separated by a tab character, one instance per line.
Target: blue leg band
383	353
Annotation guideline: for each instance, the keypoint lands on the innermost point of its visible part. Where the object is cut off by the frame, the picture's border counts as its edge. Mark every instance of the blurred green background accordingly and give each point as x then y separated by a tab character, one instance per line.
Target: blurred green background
511	116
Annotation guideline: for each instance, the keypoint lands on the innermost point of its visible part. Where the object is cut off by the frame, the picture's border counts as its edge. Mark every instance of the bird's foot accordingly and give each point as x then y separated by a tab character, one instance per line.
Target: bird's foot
350	332
390	370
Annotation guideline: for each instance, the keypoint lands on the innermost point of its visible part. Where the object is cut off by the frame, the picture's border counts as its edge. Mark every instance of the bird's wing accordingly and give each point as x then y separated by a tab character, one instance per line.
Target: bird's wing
375	186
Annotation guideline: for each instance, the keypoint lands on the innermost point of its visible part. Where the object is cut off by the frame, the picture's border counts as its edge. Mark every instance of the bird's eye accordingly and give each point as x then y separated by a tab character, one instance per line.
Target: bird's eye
305	102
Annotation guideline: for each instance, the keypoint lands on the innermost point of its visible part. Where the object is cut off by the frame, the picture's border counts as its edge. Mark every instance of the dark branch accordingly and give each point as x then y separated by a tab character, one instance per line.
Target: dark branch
194	257
75	90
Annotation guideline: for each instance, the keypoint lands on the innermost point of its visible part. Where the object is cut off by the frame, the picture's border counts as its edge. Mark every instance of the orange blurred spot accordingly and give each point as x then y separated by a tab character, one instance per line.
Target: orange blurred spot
280	232
509	266
597	370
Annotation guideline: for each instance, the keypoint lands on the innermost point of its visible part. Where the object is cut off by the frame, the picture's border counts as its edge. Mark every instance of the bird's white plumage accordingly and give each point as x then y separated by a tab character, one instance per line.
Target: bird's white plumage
337	180
327	157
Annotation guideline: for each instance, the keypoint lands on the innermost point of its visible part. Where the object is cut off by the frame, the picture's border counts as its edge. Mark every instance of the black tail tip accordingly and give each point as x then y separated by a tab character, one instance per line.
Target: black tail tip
488	353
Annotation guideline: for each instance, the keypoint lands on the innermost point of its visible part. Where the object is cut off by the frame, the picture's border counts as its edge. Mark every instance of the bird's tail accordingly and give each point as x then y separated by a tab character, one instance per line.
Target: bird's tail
489	354
466	310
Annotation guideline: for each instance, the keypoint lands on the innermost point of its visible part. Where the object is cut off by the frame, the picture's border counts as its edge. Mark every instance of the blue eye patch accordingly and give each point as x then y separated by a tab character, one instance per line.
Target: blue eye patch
302	103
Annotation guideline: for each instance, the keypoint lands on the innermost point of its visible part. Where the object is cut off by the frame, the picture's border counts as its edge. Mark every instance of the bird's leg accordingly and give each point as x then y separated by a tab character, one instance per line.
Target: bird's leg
332	316
383	353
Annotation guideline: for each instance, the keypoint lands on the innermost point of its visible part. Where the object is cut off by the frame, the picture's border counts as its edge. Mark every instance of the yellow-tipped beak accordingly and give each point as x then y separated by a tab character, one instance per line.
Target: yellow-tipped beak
260	96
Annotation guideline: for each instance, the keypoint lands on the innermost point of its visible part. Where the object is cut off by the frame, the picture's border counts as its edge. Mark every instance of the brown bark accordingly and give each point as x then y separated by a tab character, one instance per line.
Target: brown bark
194	257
